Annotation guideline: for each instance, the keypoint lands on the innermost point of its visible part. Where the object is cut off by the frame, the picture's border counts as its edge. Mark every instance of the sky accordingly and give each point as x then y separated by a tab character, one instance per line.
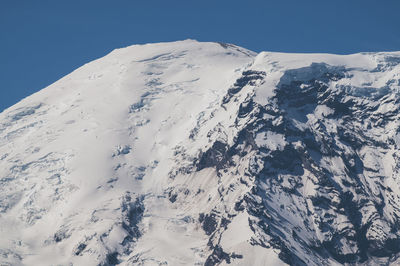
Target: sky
43	40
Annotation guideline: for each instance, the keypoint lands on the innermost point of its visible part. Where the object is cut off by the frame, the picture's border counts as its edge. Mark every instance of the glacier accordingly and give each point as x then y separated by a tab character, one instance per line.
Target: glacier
196	153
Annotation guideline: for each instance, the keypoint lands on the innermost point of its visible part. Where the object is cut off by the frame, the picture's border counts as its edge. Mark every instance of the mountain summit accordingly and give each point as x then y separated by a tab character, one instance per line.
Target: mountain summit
190	153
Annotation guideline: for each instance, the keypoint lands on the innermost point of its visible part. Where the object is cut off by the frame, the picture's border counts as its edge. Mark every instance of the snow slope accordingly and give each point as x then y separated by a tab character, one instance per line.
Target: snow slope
191	153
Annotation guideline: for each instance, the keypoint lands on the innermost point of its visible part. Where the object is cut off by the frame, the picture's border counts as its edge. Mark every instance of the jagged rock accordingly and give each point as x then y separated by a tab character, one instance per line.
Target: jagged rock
206	154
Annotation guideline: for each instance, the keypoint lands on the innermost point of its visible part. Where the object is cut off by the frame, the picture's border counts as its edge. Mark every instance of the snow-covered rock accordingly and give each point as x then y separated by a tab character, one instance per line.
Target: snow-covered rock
191	153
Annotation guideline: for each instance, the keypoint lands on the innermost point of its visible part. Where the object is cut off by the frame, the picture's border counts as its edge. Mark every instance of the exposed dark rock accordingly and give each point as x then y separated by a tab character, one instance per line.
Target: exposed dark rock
134	213
172	197
310	148
217	156
209	222
248	77
217	256
80	248
112	258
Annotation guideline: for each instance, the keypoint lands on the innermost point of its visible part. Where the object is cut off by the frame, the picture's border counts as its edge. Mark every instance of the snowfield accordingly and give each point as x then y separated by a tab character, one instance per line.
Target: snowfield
190	153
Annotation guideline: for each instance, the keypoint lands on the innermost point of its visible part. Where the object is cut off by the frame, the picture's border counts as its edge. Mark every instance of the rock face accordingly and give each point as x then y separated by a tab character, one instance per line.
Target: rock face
192	153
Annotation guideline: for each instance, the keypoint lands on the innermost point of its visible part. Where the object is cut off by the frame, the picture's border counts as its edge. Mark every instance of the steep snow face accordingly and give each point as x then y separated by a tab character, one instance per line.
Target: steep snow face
191	153
86	160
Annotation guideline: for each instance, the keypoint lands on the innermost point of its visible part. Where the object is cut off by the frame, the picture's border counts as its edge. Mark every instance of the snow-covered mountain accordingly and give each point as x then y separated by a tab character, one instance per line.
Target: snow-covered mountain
191	153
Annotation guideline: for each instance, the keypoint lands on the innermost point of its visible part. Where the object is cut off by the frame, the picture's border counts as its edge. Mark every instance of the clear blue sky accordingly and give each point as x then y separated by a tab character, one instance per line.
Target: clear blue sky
42	41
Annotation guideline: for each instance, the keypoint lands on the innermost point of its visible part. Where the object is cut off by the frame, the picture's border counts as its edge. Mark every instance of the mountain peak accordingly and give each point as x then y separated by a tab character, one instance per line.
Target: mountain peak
205	153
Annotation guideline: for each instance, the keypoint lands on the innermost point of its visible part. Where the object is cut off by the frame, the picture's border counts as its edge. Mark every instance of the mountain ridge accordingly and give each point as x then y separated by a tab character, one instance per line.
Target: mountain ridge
191	153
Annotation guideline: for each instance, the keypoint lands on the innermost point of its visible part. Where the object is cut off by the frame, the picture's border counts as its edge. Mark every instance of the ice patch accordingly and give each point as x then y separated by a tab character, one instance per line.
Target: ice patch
20	113
270	140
